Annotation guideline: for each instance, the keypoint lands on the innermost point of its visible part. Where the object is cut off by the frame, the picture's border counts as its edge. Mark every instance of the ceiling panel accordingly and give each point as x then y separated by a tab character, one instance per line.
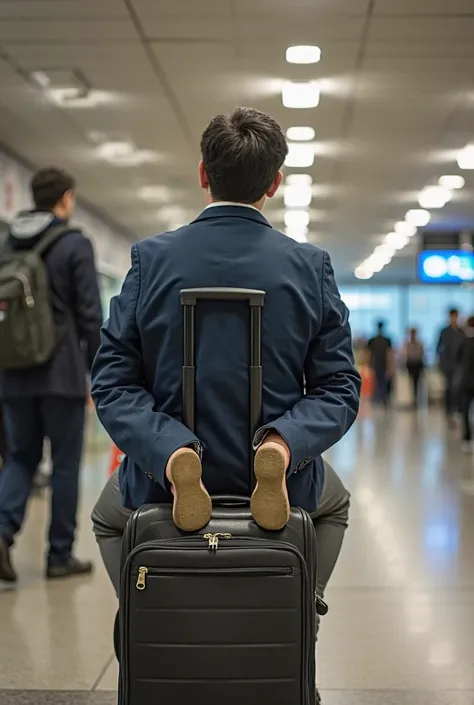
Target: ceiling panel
59	9
147	9
39	31
423	7
116	57
321	7
425	30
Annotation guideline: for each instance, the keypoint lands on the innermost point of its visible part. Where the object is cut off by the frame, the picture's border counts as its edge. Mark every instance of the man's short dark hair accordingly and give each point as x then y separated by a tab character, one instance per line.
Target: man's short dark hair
470	322
380	325
453	312
48	186
242	154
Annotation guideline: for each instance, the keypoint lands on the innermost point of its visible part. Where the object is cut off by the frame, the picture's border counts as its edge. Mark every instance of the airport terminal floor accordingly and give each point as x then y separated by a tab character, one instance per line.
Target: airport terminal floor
400	630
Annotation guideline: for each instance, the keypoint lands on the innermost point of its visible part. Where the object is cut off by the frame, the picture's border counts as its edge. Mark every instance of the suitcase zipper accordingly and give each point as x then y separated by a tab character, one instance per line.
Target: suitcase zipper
143	572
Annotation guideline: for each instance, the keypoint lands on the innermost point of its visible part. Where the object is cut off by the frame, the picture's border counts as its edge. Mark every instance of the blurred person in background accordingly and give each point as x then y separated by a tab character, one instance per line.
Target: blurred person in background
449	343
49	400
413	355
381	360
466	379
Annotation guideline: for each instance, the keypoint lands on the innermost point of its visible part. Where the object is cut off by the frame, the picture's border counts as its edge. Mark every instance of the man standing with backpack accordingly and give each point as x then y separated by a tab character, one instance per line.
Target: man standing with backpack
50	319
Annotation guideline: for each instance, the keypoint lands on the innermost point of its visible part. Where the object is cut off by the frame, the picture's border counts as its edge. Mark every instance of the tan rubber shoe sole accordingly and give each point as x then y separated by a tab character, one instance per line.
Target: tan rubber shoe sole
192	504
269	504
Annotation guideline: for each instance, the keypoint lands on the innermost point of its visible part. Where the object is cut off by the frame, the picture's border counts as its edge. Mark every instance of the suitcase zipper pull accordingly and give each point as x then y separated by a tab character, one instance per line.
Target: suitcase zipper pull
214	540
141	580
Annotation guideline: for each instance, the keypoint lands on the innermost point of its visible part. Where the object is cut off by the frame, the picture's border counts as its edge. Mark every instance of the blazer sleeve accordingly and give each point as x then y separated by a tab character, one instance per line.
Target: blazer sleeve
126	409
87	304
330	405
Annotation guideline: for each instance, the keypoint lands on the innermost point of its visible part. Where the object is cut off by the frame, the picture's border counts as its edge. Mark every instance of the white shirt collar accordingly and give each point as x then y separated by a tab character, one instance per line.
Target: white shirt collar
231	203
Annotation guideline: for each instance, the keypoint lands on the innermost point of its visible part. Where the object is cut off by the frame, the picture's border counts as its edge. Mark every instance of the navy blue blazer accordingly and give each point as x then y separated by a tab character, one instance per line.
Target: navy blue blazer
310	385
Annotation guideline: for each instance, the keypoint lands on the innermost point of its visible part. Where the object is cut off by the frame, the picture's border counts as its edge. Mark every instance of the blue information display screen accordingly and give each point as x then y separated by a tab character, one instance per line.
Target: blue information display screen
446	266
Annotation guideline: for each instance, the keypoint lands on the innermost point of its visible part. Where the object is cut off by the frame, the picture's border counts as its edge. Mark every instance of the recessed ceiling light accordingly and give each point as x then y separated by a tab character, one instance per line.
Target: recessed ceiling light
115	150
299	155
299	180
300	134
397	241
363	272
434	197
418	217
303	54
76	98
466	157
154	193
298	234
41	78
297	219
452	181
297	196
300	94
404	228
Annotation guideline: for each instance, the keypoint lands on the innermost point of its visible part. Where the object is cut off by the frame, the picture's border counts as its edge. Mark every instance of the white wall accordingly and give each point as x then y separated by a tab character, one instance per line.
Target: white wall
112	247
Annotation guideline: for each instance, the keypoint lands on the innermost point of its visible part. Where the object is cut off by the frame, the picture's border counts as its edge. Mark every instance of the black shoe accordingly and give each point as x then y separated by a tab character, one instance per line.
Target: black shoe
65	570
7	571
318	698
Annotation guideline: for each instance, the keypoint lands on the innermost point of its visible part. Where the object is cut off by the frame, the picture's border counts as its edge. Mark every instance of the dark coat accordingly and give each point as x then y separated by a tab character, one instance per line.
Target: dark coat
76	305
136	380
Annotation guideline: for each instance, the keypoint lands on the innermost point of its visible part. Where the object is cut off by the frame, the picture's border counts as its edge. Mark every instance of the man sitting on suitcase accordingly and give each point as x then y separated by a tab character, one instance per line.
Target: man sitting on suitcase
310	384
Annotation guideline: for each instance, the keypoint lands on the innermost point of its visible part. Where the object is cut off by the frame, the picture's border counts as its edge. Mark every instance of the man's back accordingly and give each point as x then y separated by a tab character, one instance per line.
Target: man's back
75	305
379	347
234	246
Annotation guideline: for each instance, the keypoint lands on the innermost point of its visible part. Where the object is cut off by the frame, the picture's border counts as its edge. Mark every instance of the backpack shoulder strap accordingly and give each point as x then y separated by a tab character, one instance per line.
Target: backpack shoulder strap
52	234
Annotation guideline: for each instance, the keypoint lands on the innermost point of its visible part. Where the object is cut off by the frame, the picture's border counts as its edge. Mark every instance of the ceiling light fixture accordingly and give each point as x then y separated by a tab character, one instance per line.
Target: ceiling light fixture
297	219
418	217
397	241
363	272
299	180
434	197
303	54
112	151
297	196
466	157
154	193
452	181
300	134
41	79
299	155
300	94
298	234
404	228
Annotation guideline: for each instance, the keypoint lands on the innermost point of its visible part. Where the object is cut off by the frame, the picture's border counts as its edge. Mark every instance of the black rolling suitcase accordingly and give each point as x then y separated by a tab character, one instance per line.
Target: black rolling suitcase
225	616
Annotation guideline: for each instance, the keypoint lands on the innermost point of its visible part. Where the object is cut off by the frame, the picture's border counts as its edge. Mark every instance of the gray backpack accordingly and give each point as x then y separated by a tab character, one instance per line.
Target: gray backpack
28	333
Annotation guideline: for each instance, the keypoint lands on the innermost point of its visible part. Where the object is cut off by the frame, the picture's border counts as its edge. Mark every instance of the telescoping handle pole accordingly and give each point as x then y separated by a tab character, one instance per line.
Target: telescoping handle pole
189	300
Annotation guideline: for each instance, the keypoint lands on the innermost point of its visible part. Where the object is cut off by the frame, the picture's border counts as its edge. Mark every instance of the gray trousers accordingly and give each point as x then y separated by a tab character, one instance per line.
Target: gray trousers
109	519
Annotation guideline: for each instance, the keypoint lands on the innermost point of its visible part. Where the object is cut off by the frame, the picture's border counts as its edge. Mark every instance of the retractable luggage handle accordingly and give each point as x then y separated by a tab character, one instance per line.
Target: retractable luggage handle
189	300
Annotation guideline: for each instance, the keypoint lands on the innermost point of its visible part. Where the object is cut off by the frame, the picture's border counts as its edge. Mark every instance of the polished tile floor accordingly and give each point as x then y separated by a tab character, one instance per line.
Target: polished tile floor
401	624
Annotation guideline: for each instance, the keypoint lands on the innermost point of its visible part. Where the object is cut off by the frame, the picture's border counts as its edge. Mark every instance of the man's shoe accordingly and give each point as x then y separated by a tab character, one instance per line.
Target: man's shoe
72	568
270	505
192	505
7	571
318	697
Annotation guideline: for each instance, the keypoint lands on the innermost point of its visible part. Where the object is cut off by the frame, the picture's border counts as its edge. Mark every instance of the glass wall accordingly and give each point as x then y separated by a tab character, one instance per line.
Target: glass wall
422	306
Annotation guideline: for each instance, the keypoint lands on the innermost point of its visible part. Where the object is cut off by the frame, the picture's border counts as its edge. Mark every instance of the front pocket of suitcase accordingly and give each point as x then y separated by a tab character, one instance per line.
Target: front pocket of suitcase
215	635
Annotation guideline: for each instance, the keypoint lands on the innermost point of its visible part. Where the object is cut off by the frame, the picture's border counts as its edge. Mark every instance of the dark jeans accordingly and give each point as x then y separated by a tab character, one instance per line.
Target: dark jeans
382	388
451	393
467	398
27	423
415	372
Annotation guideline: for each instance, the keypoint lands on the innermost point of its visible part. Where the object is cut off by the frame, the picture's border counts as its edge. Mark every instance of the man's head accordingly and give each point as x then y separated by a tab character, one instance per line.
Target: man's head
53	190
454	317
380	327
242	155
470	322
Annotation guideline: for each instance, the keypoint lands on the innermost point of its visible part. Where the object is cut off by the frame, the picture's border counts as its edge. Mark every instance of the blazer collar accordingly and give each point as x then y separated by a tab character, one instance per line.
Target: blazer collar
230	211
